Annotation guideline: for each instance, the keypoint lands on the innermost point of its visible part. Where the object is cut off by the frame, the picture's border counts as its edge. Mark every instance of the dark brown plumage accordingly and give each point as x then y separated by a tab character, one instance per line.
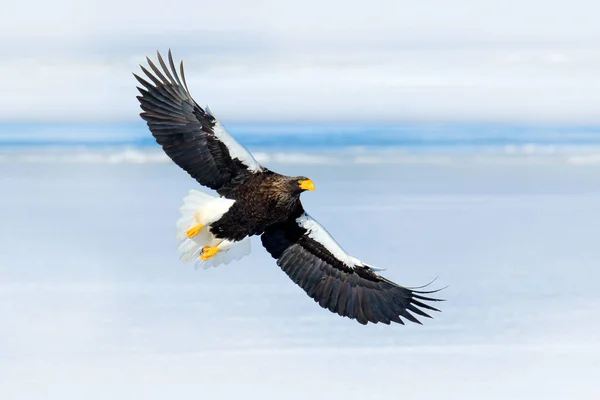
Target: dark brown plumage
263	200
268	204
185	131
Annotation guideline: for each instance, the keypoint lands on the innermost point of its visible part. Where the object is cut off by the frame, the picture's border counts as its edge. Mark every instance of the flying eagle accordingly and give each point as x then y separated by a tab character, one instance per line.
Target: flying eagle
254	200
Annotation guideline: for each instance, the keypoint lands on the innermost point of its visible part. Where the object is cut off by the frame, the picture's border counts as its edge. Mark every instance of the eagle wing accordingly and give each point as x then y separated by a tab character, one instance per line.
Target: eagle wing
339	282
190	135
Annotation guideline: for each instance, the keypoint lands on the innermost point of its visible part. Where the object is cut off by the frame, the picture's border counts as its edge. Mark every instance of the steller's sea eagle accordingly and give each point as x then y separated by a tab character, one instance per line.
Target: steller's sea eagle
254	200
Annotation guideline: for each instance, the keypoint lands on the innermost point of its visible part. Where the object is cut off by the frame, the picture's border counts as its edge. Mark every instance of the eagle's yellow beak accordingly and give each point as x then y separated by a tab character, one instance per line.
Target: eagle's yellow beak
307	184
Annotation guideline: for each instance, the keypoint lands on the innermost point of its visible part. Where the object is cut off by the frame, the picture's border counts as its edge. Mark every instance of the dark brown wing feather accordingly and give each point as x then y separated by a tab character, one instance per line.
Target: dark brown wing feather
357	293
186	131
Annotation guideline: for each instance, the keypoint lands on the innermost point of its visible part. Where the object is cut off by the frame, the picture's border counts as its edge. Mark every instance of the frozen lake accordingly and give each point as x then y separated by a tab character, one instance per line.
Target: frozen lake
95	304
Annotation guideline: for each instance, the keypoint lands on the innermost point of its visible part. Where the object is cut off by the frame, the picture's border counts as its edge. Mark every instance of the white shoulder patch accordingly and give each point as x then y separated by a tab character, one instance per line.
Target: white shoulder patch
316	232
236	150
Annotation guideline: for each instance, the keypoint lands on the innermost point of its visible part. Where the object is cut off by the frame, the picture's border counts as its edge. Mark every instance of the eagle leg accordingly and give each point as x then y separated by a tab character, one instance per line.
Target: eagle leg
209	252
194	230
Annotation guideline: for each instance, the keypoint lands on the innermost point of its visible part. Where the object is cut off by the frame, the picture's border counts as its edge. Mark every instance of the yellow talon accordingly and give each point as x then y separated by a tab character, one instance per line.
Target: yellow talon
208	252
194	230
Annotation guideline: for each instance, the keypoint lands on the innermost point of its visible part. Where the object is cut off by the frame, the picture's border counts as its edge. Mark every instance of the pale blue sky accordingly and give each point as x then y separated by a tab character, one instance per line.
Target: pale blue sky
534	61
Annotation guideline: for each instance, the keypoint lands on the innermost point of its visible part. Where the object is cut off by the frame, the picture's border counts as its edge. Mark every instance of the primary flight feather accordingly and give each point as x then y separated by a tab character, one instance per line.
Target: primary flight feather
257	201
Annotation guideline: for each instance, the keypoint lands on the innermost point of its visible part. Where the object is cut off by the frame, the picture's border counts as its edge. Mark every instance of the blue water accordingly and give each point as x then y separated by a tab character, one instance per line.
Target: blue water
306	135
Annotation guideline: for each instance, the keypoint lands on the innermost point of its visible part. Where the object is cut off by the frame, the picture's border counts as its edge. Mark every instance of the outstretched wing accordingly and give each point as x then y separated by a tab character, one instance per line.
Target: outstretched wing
308	254
192	136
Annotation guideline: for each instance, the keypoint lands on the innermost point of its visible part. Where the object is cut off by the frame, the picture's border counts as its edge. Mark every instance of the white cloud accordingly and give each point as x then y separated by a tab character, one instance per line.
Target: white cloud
273	60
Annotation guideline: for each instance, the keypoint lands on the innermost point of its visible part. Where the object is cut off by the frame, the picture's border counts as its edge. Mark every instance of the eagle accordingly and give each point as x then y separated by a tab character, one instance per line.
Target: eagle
253	200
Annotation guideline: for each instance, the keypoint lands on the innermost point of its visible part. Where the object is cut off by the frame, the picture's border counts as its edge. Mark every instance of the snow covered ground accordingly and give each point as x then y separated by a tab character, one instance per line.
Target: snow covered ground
94	303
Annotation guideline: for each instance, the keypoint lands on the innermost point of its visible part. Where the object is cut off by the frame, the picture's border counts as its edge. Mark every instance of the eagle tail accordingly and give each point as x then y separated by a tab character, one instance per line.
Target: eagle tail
198	212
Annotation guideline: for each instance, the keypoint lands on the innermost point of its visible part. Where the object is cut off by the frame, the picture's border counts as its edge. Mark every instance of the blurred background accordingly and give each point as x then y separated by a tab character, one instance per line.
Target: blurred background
459	141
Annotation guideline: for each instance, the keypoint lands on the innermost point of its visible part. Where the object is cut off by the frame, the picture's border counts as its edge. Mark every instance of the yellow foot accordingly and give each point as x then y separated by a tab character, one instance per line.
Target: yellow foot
209	252
194	230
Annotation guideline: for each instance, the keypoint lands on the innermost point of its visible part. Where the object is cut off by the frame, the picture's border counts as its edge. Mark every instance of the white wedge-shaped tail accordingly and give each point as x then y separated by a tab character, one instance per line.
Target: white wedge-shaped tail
198	212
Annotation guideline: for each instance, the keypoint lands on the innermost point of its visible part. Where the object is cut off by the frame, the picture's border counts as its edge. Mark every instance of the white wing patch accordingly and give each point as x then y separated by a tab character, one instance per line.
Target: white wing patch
316	232
236	150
